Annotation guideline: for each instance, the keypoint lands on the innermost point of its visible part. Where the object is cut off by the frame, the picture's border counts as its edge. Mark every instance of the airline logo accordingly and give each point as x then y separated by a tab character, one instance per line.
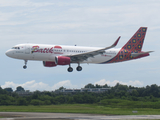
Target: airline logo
37	49
58	50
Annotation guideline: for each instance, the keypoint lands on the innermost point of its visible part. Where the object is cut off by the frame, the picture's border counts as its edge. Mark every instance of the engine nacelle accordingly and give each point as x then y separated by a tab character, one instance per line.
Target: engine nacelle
49	64
61	60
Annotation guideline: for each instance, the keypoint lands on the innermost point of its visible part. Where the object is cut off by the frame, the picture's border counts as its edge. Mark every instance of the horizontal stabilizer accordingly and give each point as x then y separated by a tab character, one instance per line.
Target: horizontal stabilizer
141	53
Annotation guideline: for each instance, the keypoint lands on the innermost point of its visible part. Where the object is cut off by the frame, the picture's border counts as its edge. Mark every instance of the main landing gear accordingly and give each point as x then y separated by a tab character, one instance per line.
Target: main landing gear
79	68
70	69
25	64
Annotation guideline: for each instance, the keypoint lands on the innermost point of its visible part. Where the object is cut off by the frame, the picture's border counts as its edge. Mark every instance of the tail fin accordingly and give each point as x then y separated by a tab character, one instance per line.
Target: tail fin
132	49
136	42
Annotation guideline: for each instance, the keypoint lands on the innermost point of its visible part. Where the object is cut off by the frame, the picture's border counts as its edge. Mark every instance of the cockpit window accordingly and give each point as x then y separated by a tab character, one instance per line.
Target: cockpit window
15	47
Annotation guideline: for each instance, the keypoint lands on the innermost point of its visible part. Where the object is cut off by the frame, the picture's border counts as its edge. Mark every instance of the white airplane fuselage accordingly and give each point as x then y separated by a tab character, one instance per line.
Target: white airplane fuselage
43	52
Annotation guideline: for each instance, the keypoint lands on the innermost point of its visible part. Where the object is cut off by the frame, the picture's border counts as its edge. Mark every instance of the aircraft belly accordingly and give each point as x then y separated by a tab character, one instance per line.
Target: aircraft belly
99	59
41	57
23	56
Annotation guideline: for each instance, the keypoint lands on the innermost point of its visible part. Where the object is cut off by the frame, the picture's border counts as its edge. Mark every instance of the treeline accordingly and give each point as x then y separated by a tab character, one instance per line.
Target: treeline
119	95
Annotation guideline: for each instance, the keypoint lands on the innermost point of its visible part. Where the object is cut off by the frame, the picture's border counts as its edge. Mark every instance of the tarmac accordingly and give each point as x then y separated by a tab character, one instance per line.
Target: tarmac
70	116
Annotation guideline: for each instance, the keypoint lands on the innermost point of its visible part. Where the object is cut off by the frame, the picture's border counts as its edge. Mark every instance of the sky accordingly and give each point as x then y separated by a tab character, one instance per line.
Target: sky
96	23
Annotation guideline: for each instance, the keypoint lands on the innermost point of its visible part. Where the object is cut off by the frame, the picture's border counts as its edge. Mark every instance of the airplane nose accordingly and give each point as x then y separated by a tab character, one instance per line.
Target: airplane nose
8	53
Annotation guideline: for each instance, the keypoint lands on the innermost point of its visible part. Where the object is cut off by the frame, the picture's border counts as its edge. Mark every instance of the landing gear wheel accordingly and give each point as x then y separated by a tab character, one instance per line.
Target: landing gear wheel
25	64
79	68
70	69
24	67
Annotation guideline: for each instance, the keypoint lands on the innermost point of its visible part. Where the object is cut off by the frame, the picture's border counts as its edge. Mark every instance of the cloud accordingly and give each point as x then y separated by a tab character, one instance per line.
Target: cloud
21	3
33	85
65	84
113	83
30	85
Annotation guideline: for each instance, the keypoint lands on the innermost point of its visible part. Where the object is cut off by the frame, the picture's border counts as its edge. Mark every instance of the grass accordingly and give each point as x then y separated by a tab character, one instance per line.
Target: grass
81	108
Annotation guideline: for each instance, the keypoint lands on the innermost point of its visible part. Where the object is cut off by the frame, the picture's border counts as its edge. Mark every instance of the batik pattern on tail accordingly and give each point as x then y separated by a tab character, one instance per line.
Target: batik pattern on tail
134	45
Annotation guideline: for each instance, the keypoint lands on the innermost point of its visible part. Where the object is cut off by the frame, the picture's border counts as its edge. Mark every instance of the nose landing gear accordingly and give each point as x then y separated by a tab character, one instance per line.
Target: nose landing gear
25	66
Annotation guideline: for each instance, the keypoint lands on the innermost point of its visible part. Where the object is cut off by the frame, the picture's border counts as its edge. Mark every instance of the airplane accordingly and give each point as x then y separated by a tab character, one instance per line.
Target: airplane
53	55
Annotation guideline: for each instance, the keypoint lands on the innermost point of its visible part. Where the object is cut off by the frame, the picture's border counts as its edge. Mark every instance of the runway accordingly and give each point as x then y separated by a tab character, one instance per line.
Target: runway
70	116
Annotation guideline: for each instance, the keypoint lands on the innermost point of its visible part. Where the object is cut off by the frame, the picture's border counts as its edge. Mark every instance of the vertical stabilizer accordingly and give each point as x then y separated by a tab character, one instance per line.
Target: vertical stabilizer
132	49
136	42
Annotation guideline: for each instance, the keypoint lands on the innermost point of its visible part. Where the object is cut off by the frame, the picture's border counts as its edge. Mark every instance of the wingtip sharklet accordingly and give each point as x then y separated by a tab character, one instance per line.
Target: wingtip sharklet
116	42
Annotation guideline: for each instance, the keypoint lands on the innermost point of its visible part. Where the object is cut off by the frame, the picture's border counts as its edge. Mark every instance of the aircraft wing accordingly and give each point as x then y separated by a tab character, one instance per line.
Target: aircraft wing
84	56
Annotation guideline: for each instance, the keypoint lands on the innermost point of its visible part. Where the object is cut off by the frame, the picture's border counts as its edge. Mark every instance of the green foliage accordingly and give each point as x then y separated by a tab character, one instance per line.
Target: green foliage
89	86
119	103
19	88
118	96
9	89
21	101
36	102
61	88
96	86
81	108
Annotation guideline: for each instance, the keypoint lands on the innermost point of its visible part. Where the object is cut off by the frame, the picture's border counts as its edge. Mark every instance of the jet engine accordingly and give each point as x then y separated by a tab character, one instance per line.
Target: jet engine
61	60
49	64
